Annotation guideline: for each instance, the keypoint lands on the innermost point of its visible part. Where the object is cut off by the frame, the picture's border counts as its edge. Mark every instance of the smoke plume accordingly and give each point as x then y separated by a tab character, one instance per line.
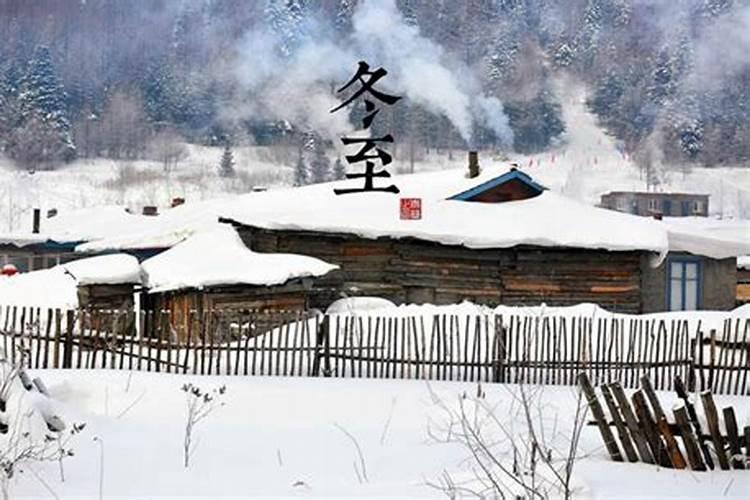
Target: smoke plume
300	88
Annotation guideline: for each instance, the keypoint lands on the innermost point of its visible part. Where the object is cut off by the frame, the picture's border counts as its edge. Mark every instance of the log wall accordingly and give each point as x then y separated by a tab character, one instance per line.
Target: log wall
416	271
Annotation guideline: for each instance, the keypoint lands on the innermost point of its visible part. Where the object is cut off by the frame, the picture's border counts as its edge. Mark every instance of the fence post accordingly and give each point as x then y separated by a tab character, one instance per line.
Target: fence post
498	372
70	321
322	349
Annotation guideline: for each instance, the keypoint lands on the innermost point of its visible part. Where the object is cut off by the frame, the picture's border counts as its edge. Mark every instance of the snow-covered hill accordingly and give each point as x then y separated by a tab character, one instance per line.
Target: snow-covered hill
587	164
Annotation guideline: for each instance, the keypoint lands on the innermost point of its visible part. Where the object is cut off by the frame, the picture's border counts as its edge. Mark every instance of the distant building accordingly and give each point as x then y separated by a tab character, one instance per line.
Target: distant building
650	204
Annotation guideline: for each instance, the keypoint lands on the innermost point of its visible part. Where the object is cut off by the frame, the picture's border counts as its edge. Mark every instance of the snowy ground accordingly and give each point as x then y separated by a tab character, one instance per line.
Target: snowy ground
586	165
279	437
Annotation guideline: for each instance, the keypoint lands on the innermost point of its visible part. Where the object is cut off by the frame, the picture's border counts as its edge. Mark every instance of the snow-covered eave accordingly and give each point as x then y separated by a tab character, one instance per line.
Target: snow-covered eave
28	240
446	239
706	245
213	285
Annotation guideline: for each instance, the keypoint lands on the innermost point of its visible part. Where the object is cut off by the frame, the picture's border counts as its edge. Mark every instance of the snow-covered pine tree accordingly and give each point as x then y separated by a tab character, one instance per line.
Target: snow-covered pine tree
320	167
301	173
226	165
409	11
287	21
339	170
663	84
41	94
344	13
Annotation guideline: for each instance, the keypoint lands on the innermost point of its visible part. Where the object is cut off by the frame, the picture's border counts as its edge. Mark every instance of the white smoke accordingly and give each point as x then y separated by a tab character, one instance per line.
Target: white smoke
301	89
722	51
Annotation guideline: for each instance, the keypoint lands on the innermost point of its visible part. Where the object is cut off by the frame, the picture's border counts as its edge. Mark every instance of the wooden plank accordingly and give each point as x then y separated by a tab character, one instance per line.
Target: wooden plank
622	430
641	443
712	419
651	430
596	410
733	437
693	417
689	439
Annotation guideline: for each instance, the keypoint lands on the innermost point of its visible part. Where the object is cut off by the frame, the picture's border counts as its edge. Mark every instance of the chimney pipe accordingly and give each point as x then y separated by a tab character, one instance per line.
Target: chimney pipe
37	217
473	164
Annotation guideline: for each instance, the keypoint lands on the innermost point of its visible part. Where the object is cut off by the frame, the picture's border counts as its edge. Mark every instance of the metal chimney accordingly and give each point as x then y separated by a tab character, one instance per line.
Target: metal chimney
473	164
37	218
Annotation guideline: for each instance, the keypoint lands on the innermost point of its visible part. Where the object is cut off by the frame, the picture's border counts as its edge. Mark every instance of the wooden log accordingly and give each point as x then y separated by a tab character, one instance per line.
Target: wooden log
622	430
601	421
747	440
693	416
675	456
733	437
689	439
712	418
651	430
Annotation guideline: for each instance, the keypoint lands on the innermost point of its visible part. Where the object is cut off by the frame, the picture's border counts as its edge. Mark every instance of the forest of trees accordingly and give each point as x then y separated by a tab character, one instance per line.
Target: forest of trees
125	80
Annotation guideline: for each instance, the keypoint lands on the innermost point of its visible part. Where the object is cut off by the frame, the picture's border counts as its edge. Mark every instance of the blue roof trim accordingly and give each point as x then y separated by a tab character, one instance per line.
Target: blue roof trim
497	181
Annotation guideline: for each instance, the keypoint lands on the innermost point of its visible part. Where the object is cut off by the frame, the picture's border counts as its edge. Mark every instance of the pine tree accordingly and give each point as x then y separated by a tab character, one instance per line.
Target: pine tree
344	13
301	174
339	170
226	165
42	95
320	167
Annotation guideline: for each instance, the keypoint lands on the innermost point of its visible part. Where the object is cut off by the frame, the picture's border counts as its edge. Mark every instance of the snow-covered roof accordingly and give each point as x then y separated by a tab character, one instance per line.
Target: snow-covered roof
545	220
169	228
84	224
57	287
219	257
93	223
21	240
112	269
717	238
743	262
549	219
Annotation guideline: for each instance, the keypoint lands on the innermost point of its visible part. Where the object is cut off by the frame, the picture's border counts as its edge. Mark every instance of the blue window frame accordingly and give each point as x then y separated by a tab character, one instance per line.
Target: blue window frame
684	283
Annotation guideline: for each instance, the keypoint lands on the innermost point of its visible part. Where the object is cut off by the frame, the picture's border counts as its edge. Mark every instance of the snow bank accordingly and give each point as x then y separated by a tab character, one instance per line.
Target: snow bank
546	220
219	257
58	287
358	305
281	437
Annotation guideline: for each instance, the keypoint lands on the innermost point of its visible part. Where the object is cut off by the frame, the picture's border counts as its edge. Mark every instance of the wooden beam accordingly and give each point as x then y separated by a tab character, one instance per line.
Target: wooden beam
689	439
601	421
622	430
712	418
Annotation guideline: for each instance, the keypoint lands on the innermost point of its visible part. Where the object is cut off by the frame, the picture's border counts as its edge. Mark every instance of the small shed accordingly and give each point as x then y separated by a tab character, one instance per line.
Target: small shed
214	271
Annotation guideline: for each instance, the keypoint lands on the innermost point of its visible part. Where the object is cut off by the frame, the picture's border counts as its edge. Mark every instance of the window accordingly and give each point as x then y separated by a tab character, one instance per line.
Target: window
653	204
697	207
683	284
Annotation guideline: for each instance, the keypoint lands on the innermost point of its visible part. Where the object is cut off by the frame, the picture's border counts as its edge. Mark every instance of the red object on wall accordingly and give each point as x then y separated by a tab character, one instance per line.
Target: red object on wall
411	208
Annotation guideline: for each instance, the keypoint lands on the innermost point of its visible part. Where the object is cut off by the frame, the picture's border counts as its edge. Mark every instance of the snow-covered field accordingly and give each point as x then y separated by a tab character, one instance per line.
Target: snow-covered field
279	437
587	164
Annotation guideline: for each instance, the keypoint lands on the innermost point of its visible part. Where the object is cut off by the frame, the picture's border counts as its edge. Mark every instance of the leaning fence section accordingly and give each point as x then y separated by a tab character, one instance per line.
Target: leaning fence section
550	349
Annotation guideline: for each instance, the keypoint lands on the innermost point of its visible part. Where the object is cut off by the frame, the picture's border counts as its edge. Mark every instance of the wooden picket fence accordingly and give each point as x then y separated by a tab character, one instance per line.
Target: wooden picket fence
645	434
491	348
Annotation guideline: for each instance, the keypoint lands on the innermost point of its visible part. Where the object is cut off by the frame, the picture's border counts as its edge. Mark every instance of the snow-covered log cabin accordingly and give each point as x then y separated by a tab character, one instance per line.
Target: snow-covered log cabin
213	270
500	238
